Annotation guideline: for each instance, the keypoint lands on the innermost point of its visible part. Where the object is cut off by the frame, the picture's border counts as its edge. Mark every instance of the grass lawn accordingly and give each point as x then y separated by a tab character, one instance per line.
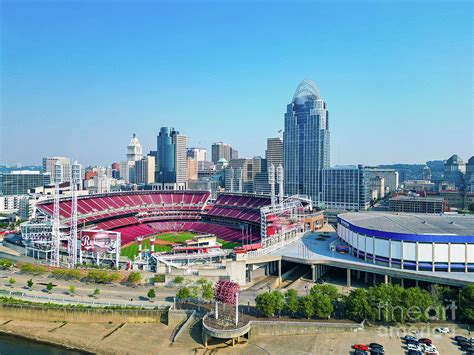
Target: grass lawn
178	237
132	250
228	245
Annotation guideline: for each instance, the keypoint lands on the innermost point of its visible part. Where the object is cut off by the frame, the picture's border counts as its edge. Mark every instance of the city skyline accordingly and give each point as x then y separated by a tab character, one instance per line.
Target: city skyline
92	85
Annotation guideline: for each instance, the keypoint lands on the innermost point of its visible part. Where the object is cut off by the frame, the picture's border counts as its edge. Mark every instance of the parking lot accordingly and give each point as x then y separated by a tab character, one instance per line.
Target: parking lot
341	343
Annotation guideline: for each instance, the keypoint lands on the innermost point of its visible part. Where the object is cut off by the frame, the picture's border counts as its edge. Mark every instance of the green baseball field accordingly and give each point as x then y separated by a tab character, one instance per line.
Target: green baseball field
164	242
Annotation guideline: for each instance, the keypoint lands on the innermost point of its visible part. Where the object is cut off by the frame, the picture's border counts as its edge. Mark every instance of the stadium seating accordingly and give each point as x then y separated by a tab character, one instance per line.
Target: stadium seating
239	207
141	213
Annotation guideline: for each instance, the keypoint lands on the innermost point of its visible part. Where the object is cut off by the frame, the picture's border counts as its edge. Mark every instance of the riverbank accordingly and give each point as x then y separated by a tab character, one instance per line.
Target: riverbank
113	338
15	343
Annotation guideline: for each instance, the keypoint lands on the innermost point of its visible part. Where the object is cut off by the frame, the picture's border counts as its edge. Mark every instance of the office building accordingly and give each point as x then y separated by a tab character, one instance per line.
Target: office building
180	143
377	188
49	165
390	177
222	150
346	188
417	204
198	154
418	185
171	165
134	149
20	181
240	174
145	170
454	169
274	152
469	176
192	169
306	146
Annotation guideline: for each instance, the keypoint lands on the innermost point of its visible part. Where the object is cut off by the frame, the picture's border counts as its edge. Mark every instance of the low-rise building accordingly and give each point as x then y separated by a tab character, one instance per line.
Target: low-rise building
417	204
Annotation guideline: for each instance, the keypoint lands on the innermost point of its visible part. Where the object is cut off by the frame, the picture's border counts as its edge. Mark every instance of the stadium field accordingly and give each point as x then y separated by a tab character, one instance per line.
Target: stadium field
163	242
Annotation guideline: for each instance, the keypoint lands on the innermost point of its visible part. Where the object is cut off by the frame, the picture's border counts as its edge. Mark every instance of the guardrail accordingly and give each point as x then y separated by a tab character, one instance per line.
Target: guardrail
71	301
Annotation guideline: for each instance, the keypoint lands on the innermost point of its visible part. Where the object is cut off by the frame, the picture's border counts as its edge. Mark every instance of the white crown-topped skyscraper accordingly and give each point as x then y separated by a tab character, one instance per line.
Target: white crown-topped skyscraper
306	148
134	149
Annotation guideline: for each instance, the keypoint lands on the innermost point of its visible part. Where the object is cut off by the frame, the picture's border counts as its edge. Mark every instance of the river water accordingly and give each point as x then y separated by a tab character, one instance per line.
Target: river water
12	345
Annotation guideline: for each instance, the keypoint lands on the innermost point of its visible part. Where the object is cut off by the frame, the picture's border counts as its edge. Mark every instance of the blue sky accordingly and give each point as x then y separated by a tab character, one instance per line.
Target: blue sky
79	77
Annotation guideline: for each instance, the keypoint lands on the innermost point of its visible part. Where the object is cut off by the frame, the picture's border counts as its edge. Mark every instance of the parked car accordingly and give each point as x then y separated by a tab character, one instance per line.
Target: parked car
413	342
362	347
414	352
442	330
465	343
428	348
360	352
410	337
460	338
414	347
425	341
375	345
467	348
377	351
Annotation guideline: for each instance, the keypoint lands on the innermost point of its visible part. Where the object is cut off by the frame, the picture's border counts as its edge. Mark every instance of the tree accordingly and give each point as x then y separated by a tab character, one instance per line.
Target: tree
265	303
134	278
357	305
96	293
183	293
471	207
279	301
207	292
178	279
202	281
322	305
291	301
194	292
72	290
11	281
49	287
466	305
29	283
328	290
151	294
306	306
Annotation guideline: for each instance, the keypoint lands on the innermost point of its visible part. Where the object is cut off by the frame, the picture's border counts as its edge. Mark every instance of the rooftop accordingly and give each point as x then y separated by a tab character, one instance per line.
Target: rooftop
417	198
412	223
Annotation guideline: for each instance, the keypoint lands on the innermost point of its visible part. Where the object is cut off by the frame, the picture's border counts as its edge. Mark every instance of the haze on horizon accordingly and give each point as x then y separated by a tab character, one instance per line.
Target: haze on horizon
78	78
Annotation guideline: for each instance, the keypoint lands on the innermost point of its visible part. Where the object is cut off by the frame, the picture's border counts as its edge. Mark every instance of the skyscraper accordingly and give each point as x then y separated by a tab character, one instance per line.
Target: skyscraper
346	188
180	147
306	146
198	154
223	150
171	166
145	170
274	152
134	149
49	164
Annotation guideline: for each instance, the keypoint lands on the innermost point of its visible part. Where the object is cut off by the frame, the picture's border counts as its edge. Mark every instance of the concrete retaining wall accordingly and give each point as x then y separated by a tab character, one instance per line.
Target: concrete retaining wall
275	328
38	313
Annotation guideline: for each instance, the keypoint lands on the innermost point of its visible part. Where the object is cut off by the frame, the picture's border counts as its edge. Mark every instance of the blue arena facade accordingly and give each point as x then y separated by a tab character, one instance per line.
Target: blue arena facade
410	241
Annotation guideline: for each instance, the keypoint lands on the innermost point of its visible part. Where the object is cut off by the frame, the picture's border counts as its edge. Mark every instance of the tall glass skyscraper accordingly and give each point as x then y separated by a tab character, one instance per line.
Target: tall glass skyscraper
165	162
306	148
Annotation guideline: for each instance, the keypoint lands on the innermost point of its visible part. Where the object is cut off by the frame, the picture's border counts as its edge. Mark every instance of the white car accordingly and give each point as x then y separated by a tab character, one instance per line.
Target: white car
414	347
442	330
428	348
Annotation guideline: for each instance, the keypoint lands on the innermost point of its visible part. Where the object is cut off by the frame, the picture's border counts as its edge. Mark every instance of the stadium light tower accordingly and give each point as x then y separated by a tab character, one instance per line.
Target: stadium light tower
56	237
280	184
72	241
271	179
